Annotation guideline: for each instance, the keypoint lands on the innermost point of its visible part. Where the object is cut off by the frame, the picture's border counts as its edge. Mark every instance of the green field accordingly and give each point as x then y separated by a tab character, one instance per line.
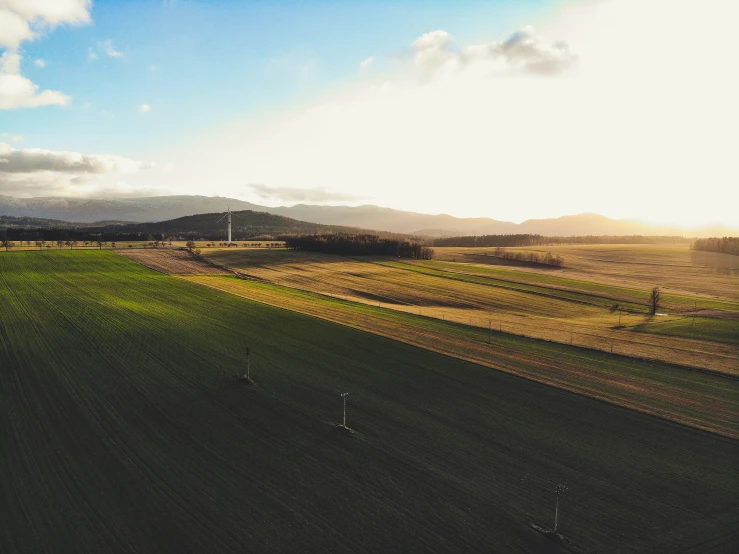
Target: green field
721	330
122	430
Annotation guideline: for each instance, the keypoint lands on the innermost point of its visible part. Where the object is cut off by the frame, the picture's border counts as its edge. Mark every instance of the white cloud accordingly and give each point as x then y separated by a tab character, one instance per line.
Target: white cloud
296	65
38	62
24	20
644	128
366	62
298	194
49	13
433	50
106	47
16	91
144	108
29	160
14	138
36	171
524	51
153	68
103	48
13	29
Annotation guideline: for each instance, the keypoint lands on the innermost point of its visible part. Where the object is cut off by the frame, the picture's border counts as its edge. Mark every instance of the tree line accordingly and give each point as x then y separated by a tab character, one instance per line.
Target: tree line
727	245
531	257
543	240
359	245
81	235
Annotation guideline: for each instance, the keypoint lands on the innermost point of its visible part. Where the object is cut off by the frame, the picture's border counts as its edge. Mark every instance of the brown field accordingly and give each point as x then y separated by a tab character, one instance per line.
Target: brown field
476	304
177	262
674	268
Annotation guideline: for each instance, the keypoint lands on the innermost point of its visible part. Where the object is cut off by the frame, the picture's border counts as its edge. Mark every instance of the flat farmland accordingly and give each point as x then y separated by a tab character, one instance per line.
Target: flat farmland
123	431
568	315
675	268
708	401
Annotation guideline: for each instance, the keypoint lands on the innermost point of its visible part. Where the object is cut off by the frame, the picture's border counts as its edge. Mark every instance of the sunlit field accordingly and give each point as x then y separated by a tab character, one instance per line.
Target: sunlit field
580	313
676	268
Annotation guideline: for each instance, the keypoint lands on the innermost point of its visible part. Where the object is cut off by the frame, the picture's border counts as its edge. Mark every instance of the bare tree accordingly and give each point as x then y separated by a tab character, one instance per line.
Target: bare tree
4	242
654	301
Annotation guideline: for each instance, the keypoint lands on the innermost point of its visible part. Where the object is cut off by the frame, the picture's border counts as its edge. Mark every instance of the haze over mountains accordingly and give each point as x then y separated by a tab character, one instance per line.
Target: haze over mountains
159	208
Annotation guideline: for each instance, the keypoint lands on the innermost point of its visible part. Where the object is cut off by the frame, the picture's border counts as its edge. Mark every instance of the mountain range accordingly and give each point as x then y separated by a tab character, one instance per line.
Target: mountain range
159	208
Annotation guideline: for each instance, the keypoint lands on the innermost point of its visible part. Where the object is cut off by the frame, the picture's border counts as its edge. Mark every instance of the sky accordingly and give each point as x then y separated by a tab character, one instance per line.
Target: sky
505	109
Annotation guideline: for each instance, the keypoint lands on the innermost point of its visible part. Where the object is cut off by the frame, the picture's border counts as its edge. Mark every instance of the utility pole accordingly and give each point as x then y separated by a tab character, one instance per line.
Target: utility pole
619	318
344	395
558	489
248	356
490	331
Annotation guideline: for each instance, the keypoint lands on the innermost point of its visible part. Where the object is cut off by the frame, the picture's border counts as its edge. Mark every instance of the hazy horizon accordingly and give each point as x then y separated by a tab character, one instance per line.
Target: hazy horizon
226	200
541	109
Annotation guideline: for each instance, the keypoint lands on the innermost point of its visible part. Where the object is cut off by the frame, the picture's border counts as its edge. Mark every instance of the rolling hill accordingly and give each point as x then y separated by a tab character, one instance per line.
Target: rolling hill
210	226
151	209
245	224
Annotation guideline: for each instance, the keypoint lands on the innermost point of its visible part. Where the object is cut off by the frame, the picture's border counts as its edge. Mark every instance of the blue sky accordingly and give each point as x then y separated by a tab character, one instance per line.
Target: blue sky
505	109
199	64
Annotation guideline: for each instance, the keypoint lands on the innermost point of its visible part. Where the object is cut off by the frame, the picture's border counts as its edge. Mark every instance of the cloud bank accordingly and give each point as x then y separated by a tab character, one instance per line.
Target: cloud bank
33	171
523	52
25	20
294	194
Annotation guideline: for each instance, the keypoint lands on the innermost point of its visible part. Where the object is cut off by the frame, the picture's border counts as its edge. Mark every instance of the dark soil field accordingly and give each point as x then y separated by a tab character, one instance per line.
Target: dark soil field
124	430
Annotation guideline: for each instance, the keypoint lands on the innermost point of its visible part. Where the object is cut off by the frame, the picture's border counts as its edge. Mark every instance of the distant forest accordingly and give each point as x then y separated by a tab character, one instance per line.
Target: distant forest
542	240
359	245
727	245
